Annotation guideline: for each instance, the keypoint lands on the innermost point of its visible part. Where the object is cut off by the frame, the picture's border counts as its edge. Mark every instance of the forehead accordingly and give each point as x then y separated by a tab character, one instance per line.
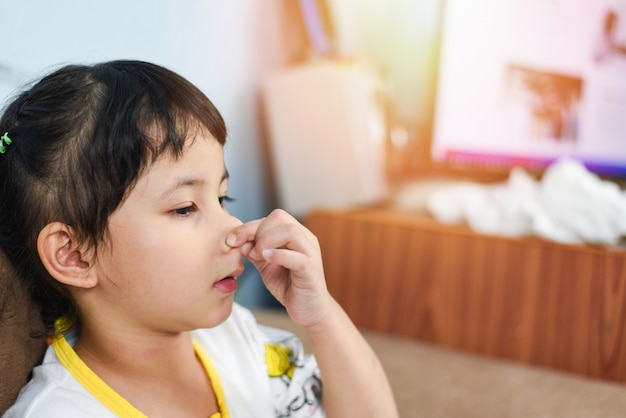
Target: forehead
201	162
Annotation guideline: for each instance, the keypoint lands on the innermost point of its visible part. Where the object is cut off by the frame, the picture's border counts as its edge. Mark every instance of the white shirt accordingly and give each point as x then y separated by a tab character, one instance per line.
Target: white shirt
256	372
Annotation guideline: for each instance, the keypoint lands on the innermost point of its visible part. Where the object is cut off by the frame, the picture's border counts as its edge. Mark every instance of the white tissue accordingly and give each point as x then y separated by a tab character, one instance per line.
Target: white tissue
569	204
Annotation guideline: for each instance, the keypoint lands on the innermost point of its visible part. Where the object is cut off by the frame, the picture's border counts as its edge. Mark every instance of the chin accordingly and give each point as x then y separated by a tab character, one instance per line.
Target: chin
217	314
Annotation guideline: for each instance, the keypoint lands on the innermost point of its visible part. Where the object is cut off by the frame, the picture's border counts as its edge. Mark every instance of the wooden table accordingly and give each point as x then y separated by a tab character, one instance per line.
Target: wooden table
523	299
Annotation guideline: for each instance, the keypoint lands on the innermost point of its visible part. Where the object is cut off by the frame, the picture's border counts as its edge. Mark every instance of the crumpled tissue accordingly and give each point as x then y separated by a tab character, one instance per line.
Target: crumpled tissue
568	205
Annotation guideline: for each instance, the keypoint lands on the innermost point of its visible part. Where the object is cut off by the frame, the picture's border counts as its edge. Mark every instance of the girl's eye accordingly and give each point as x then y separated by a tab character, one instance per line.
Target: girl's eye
186	211
225	199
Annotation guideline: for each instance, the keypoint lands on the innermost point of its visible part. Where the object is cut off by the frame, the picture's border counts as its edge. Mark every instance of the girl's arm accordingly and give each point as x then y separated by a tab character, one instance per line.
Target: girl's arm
288	257
354	382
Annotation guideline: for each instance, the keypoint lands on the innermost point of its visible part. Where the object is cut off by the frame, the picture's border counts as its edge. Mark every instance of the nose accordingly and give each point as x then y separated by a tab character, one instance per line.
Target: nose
233	221
230	223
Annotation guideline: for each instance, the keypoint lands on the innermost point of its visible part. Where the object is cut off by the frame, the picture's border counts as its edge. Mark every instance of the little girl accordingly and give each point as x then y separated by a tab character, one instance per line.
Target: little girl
112	191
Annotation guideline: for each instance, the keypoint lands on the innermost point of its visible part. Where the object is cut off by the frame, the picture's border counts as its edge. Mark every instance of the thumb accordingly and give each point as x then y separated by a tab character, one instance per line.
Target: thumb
243	234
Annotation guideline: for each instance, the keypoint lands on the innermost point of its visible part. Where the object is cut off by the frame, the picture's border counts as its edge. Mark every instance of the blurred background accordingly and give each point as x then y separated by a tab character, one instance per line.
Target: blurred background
228	49
332	102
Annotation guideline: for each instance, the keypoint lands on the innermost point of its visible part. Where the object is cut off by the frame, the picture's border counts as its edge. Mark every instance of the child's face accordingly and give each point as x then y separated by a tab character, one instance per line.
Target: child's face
167	256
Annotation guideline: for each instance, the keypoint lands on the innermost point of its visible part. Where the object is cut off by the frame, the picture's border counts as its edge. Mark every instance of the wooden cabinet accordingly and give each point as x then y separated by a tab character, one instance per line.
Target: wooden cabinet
523	299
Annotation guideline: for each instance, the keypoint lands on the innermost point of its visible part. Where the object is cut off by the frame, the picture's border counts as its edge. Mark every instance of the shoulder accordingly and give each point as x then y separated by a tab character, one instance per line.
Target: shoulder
53	392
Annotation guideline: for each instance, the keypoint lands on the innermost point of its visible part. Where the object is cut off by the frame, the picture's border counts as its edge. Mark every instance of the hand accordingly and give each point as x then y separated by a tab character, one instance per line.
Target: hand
289	259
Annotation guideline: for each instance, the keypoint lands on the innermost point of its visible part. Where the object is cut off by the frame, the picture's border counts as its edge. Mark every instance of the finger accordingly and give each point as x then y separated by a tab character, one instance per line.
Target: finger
276	218
280	221
288	236
291	260
243	233
246	247
250	231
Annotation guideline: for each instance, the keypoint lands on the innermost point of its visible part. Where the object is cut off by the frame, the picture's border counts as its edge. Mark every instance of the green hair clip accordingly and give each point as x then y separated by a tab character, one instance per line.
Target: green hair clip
7	141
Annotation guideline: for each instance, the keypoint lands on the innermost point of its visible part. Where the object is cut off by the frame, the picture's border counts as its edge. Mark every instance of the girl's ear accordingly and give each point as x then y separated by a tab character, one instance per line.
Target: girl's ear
63	258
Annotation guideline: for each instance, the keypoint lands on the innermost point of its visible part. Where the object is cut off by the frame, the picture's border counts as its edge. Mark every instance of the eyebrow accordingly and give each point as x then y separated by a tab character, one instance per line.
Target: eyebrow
190	182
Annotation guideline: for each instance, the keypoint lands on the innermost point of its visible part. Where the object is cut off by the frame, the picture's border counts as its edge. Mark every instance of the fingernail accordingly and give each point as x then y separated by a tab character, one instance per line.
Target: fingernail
267	254
231	240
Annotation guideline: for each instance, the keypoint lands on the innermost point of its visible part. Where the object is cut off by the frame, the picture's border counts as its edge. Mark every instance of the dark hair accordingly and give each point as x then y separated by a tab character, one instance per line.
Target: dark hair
81	137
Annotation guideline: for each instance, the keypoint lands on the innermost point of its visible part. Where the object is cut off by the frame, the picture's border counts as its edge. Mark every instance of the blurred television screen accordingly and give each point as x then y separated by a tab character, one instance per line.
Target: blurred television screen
525	82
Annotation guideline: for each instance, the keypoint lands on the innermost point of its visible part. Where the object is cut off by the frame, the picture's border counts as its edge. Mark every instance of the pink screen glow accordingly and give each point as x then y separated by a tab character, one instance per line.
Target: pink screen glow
524	82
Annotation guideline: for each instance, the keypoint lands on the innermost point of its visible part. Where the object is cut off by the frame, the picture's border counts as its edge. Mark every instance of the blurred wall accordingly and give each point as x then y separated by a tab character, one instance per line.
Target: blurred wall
400	39
224	47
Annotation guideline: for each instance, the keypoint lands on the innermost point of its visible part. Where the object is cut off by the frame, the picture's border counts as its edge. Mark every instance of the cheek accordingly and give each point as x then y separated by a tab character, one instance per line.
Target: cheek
136	252
162	247
161	253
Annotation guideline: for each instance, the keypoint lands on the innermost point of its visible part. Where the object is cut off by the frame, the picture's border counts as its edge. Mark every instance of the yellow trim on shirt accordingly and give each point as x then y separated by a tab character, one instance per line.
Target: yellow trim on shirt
214	376
113	400
86	377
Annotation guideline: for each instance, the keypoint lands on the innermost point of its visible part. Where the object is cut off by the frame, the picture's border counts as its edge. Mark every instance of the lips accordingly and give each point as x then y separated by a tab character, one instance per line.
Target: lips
226	285
229	283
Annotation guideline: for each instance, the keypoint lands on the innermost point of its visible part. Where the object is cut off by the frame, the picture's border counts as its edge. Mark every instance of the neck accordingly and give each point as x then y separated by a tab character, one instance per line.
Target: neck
136	355
159	375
